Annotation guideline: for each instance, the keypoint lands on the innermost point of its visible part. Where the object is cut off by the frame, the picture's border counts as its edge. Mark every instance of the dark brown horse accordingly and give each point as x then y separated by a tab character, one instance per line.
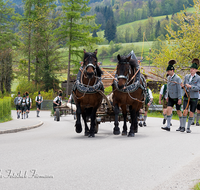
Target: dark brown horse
128	91
86	95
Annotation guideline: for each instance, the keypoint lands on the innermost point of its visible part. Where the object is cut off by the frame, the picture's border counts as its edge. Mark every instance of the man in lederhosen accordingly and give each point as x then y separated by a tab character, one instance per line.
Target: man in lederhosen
174	95
23	106
38	100
163	100
192	86
28	104
57	102
17	102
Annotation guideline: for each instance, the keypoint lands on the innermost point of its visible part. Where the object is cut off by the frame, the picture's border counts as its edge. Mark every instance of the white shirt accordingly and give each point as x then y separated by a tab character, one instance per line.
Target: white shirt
39	97
150	94
191	77
161	91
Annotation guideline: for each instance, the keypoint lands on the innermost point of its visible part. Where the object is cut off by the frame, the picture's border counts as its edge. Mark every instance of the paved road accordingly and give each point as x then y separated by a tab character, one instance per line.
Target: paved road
53	156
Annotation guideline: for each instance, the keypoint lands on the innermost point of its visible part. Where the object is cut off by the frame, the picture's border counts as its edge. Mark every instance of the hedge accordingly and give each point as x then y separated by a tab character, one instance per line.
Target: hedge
5	109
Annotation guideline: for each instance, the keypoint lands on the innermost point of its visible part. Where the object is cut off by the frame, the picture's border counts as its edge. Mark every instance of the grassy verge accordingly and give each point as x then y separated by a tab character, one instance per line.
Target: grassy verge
159	114
197	186
8	118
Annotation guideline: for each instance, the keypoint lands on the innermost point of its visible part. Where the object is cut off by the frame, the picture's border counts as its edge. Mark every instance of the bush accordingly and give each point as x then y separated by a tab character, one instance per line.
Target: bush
155	98
5	109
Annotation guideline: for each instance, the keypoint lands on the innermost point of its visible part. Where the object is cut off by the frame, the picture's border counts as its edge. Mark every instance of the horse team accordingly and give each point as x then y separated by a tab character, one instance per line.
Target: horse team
129	93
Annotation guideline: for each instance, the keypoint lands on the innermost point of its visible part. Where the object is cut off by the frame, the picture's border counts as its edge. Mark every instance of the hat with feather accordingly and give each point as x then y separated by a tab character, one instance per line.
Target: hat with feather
171	65
195	63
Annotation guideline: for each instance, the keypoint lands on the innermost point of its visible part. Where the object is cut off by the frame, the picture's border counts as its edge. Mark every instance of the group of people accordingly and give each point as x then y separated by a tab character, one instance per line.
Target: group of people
24	104
173	96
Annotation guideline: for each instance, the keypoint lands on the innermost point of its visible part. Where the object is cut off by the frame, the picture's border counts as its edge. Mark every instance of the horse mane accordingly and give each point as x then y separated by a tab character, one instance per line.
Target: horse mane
99	71
133	63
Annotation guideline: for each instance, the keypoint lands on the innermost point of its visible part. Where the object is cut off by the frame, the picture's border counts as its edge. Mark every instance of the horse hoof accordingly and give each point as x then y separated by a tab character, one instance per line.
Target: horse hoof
131	134
86	133
116	132
124	133
91	135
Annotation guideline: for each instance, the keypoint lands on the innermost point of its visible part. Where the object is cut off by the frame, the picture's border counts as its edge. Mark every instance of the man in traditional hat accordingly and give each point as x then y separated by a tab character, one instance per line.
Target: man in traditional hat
17	102
174	95
38	100
192	86
28	104
57	102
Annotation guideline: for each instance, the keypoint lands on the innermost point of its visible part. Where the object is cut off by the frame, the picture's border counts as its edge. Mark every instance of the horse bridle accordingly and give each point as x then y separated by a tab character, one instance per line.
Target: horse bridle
90	63
123	76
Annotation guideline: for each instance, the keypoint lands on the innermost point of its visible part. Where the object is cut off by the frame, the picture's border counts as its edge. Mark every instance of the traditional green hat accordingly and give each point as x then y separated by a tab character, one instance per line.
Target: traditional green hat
38	92
24	96
195	63
170	65
18	93
27	93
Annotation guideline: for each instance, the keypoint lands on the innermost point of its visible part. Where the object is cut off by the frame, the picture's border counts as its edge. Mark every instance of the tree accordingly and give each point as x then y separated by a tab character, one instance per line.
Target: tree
184	44
40	47
75	27
94	34
110	30
157	30
139	36
7	40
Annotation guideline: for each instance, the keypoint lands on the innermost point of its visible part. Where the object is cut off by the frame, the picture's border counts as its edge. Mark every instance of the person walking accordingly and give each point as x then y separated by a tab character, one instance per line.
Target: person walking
17	102
23	106
192	86
148	101
163	97
57	102
38	100
174	95
28	104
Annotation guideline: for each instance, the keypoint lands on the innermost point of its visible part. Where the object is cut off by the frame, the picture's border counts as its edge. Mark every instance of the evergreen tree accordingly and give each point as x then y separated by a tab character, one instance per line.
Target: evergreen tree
139	34
7	41
94	33
157	30
110	30
76	29
40	47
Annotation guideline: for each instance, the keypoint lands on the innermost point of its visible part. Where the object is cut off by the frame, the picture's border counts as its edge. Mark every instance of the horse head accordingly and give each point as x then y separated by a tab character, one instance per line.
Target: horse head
90	63
123	70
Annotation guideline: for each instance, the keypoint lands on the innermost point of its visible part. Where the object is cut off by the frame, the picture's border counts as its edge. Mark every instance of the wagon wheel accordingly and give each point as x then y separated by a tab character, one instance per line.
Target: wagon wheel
96	126
57	114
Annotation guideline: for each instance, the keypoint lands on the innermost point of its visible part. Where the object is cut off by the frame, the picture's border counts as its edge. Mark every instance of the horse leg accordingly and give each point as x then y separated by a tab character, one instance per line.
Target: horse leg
93	119
78	121
116	130
136	122
86	126
124	132
133	115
